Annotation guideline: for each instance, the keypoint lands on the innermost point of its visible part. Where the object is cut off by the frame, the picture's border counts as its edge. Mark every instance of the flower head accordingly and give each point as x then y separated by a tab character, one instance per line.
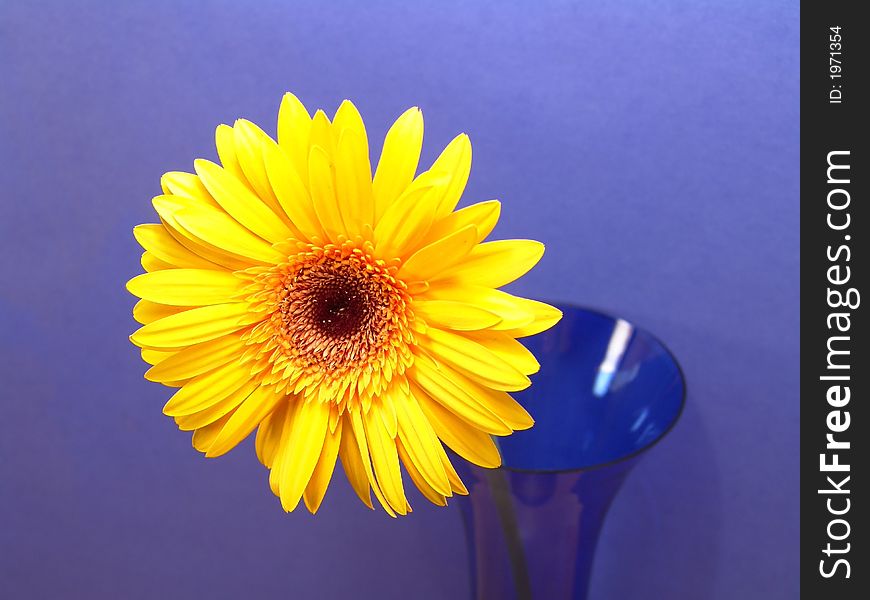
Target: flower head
342	316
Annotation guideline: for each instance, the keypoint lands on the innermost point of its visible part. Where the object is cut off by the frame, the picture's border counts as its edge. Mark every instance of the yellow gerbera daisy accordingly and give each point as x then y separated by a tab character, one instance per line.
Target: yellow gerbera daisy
342	316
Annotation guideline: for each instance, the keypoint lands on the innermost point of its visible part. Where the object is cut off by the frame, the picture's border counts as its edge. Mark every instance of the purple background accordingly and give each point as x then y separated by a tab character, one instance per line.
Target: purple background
652	145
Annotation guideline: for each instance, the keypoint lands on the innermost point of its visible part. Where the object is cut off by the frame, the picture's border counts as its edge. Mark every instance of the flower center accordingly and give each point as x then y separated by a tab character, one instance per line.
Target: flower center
337	323
340	309
335	311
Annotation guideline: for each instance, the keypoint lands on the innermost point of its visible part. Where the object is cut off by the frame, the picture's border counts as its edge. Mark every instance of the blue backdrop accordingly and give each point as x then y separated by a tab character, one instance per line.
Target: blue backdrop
653	145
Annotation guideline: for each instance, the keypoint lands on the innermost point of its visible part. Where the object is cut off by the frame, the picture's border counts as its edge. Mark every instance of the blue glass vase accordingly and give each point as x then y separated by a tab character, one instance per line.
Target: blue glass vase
607	391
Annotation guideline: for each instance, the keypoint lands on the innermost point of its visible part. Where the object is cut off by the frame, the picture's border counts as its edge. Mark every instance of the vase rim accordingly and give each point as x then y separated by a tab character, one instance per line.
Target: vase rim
566	306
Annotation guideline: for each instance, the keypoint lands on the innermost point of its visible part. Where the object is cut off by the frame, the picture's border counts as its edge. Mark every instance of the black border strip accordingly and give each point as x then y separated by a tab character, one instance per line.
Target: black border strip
834	228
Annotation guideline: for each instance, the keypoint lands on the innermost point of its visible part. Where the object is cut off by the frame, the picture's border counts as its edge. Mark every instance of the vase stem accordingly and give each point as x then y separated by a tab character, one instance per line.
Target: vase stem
504	506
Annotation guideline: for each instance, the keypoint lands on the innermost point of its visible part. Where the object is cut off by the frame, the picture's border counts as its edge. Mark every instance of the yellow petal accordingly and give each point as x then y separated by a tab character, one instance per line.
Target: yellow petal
438	255
442	385
408	218
281	457
496	402
198	359
319	481
225	142
168	207
544	317
224	233
399	159
155	357
321	135
204	436
504	406
494	264
474	359
508	349
455	160
220	258
421	444
387	411
292	193
151	263
159	242
458	316
468	442
353	171
207	390
359	434
455	482
195	326
427	490
216	411
354	469
322	185
385	461
188	185
250	142
483	215
248	415
269	434
302	450
240	203
347	117
147	312
187	287
512	311
353	183
294	127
